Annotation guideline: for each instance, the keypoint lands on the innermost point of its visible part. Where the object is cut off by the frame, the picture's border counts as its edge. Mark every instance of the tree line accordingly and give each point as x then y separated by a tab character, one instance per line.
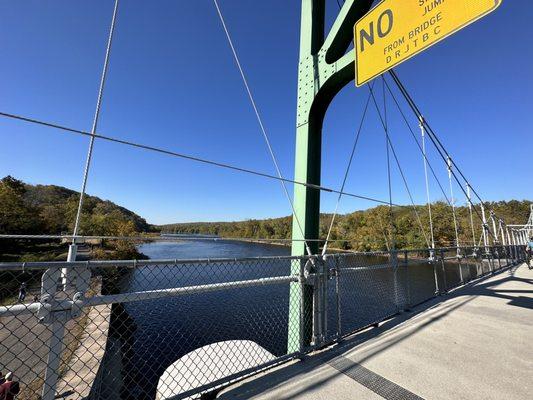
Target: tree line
374	229
50	209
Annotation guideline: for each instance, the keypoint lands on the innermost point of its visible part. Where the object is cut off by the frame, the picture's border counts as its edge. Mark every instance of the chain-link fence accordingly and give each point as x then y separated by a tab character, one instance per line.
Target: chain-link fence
176	329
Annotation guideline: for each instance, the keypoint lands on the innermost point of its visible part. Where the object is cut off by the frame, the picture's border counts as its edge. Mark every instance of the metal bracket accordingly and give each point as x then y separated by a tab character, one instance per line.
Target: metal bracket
54	309
309	265
77	305
43	313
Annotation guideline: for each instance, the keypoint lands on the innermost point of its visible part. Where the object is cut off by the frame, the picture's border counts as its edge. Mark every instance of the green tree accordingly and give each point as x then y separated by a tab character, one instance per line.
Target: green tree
16	217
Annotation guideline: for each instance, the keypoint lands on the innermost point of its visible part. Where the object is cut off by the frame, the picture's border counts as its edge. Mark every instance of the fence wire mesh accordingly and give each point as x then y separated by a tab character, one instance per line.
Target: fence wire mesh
176	329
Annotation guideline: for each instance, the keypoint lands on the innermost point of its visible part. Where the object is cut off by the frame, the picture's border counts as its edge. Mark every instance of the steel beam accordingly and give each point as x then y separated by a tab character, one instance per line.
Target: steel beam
324	69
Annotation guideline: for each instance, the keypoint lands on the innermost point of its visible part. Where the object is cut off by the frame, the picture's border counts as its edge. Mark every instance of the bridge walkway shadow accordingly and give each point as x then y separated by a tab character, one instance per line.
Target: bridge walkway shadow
473	343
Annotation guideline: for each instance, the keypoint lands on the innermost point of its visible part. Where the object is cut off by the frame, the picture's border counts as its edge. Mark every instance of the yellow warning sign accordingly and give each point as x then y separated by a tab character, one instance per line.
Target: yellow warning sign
396	30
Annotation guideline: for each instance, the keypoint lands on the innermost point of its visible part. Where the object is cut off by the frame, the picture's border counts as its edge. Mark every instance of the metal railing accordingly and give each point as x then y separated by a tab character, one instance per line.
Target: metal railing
179	328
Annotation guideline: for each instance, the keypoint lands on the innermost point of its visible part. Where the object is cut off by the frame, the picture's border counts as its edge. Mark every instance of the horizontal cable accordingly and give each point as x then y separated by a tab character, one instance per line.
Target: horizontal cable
81	238
187	157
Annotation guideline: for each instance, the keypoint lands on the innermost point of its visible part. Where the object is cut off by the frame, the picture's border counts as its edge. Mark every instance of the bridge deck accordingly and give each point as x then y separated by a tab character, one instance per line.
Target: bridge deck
475	343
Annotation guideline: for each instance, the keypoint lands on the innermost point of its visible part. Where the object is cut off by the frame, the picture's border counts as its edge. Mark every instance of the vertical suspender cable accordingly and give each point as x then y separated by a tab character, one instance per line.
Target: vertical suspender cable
260	121
387	146
437	180
495	237
57	329
433	137
502	234
95	120
469	198
324	249
399	167
422	130
452	200
485	228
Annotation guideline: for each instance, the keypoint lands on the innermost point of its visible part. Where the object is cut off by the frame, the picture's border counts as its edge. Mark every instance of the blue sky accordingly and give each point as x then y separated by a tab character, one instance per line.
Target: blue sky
172	83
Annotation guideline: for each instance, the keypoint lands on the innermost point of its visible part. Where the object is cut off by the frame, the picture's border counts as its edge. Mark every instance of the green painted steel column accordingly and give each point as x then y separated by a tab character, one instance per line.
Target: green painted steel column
323	70
307	169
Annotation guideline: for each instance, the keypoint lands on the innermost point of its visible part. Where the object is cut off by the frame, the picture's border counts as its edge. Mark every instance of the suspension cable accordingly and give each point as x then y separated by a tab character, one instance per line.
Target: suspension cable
184	156
409	192
260	121
386	130
450	173
158	238
346	172
401	172
413	135
436	142
384	233
450	201
96	117
422	130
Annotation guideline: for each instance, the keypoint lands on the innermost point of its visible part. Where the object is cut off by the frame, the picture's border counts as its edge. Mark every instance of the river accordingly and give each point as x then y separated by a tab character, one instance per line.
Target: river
153	334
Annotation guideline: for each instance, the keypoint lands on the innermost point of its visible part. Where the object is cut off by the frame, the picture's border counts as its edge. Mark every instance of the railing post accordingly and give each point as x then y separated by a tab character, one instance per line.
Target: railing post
393	258
55	346
66	273
510	243
479	265
490	256
444	280
319	302
317	306
48	315
55	314
461	280
325	299
517	256
337	294
520	248
433	261
408	301
298	290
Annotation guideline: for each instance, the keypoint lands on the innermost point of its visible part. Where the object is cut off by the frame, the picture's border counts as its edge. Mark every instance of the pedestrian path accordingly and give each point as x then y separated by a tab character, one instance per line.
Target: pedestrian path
474	343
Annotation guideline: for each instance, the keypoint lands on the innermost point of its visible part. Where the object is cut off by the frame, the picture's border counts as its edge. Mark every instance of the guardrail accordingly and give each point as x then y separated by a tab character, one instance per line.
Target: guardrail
110	329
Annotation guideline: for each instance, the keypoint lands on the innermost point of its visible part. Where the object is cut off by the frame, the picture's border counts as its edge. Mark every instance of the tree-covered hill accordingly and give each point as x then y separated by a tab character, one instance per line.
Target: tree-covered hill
370	230
50	209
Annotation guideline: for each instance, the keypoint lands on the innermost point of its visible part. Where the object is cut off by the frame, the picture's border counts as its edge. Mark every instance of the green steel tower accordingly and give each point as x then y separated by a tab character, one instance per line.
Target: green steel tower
324	69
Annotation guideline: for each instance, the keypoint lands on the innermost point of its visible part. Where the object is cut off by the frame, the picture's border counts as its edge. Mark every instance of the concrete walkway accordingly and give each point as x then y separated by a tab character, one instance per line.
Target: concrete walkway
83	368
475	343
